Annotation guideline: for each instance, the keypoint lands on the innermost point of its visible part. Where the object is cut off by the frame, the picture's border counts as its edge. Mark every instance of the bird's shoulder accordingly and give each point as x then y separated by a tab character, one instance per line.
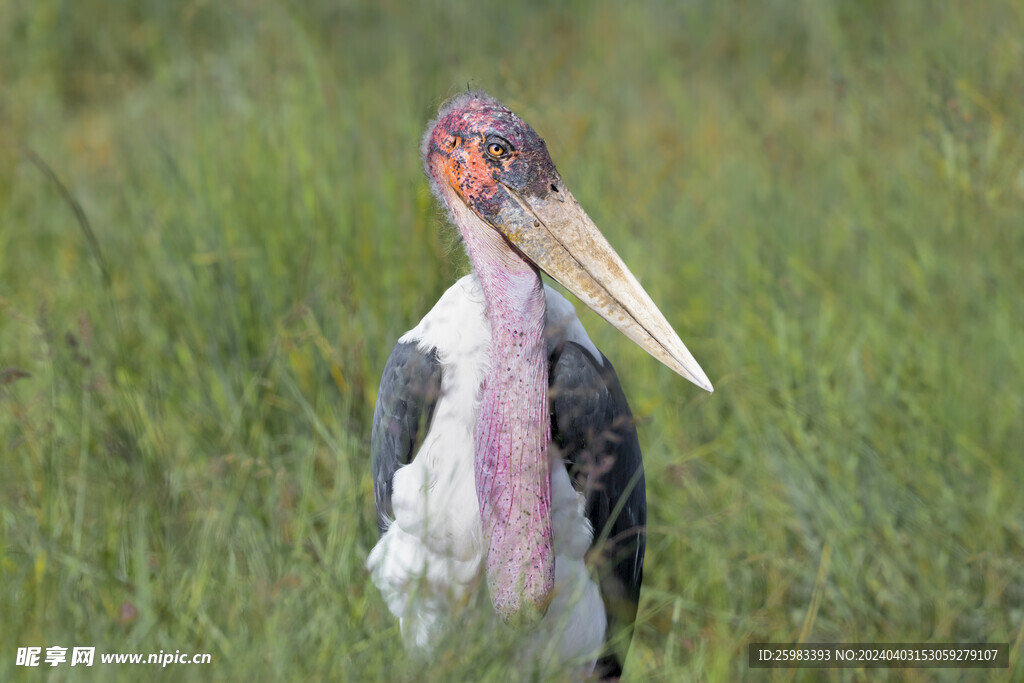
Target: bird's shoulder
562	325
457	324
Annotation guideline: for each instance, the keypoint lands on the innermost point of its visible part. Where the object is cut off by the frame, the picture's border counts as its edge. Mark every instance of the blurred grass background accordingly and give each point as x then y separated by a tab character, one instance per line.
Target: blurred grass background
824	197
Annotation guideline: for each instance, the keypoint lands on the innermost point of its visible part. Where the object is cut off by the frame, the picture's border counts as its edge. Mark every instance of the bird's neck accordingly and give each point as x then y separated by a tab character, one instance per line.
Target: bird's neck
513	477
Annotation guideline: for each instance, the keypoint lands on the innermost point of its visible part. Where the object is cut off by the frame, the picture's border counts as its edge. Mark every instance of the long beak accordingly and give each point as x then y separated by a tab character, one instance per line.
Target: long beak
562	241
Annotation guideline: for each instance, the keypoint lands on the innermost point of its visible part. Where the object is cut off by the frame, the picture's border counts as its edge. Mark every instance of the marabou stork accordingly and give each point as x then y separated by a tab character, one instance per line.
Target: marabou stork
530	454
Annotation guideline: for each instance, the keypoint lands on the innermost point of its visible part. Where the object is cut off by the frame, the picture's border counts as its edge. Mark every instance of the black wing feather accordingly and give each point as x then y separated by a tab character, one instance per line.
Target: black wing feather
408	393
592	425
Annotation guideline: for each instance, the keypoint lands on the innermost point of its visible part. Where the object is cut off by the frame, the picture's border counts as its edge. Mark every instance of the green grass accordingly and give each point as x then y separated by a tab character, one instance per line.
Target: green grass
825	198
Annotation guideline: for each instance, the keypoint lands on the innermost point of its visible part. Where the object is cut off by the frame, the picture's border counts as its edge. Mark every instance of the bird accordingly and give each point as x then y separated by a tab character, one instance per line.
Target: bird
504	452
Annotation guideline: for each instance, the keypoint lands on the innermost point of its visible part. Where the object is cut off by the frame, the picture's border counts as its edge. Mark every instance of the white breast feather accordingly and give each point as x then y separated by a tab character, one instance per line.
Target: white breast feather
433	549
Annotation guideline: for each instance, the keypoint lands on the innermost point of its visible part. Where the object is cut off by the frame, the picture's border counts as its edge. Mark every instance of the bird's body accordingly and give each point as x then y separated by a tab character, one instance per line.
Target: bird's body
436	530
504	452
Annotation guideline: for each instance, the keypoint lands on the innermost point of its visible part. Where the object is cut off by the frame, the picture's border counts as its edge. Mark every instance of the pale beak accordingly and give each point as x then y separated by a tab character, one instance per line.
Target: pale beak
561	240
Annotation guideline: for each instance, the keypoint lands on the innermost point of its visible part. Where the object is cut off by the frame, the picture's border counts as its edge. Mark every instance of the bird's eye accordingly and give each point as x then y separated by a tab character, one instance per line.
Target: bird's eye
496	150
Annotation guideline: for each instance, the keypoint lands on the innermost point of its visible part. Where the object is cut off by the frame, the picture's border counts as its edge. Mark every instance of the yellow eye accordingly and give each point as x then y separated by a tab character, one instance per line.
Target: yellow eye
496	150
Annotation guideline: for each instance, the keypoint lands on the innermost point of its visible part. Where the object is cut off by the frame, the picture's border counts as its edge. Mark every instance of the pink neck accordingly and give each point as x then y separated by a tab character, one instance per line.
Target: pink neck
513	478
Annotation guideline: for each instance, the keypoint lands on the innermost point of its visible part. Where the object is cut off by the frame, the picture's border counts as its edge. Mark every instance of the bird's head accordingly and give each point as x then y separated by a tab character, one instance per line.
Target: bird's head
482	152
490	168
